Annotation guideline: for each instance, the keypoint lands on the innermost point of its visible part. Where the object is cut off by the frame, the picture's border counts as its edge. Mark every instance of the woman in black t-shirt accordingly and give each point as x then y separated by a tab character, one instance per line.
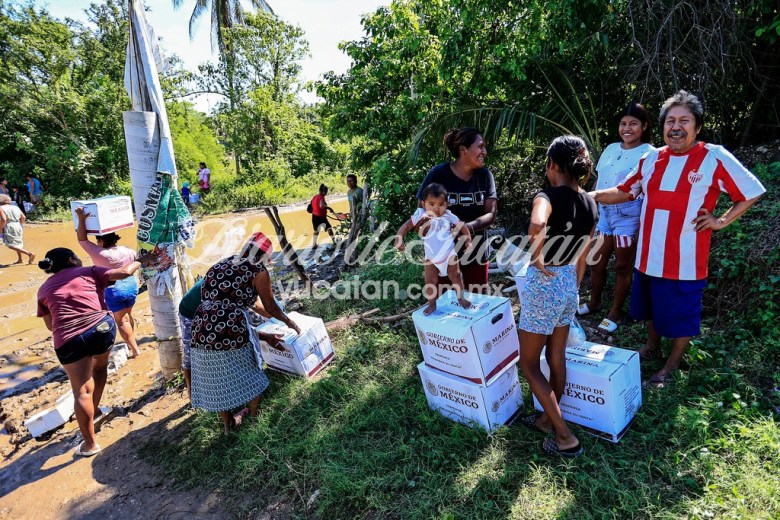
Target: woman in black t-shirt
471	196
562	223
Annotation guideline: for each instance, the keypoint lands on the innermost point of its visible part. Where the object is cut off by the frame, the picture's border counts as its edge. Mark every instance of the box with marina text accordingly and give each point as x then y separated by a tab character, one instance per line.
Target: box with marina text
305	354
489	406
105	215
603	388
475	343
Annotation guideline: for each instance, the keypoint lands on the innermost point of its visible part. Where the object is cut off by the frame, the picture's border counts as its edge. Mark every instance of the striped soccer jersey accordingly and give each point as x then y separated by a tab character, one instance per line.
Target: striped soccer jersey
675	187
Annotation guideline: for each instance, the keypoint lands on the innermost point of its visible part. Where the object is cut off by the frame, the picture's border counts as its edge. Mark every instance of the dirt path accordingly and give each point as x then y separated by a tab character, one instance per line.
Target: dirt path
42	479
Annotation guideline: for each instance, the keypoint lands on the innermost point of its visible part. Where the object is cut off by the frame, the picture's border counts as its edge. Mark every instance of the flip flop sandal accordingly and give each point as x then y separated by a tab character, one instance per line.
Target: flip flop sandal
81	453
657	383
583	309
529	421
608	326
551	448
243	414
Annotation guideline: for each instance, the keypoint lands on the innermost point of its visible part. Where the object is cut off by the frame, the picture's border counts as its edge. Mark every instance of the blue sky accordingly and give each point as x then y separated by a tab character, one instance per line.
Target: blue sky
325	22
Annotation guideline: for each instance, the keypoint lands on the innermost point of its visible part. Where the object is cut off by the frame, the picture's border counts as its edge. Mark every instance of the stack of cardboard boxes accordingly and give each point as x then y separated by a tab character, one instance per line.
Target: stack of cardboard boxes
470	370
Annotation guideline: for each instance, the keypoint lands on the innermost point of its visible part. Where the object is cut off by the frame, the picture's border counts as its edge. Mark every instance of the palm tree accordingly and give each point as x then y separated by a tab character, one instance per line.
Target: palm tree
224	15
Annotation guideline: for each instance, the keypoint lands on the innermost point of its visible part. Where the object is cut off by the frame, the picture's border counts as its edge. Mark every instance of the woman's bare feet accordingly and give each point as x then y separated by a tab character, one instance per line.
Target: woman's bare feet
18	262
32	258
430	308
134	352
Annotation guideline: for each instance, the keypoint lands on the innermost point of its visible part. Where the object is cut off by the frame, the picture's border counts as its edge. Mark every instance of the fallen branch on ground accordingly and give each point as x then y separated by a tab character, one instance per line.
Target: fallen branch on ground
366	317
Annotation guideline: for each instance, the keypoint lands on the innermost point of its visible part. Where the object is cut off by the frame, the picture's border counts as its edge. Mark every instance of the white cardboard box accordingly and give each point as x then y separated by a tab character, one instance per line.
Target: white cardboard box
475	343
118	357
51	418
306	354
490	406
106	214
603	388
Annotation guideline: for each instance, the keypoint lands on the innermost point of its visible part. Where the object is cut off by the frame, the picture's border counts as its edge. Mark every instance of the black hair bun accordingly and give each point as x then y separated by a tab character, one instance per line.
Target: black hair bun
46	264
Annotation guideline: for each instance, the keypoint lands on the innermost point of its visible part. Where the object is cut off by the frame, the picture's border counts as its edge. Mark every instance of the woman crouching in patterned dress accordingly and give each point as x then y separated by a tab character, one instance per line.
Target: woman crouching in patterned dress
225	371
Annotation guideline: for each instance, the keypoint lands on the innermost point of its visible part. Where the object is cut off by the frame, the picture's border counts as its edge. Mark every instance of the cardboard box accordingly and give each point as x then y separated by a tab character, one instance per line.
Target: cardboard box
489	406
51	418
106	214
475	343
118	357
306	354
603	388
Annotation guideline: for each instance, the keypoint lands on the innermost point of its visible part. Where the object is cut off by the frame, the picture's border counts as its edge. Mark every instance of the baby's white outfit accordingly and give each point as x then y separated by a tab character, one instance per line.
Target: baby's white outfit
439	244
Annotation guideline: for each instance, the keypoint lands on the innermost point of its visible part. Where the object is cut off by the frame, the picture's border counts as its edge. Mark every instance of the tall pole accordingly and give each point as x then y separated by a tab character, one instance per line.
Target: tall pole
150	155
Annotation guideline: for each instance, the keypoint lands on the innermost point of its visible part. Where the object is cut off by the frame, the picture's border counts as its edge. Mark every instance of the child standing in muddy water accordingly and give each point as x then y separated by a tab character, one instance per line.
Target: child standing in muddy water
437	225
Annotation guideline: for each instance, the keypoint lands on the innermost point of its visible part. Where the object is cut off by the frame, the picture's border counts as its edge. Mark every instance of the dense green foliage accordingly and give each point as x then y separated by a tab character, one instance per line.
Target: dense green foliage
361	435
62	92
527	71
62	86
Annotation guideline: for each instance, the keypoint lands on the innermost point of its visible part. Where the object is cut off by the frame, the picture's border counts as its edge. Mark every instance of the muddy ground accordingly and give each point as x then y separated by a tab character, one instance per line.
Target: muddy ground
41	478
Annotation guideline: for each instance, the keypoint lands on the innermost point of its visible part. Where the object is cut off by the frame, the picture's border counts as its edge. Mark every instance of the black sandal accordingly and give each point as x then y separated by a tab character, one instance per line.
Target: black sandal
550	447
529	421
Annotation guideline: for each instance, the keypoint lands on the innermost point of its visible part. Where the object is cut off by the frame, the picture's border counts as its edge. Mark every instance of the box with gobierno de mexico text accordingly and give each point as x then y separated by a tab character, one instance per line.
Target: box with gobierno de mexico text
603	388
489	406
105	215
305	354
475	343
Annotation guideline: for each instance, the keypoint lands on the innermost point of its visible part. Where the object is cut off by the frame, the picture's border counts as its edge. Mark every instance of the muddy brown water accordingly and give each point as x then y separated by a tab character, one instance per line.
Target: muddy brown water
217	236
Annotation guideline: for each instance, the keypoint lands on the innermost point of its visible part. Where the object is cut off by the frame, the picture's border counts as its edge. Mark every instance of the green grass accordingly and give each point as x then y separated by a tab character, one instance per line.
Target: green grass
362	435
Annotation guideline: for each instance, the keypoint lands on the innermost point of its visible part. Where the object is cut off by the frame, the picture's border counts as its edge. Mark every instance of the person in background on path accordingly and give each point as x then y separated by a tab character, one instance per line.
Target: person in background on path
204	179
4	187
471	196
18	197
71	304
12	221
225	372
618	224
185	192
681	183
34	188
437	233
120	297
563	219
354	194
319	215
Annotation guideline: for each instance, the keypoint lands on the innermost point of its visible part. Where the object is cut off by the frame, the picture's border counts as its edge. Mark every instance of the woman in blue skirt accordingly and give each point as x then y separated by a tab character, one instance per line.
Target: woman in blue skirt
225	371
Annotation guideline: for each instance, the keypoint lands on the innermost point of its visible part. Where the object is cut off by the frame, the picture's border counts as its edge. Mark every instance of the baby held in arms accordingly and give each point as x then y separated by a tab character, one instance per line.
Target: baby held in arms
437	226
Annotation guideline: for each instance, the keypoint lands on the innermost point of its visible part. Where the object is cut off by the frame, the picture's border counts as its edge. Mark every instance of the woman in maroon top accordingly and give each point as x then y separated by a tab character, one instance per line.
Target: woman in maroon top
71	304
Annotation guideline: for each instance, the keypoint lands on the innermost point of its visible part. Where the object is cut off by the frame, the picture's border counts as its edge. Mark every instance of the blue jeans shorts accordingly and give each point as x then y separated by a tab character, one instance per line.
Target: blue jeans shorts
673	305
548	302
122	294
620	220
95	341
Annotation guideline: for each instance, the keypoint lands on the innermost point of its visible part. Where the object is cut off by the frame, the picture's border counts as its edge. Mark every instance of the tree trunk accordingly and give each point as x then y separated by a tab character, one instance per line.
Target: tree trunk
288	251
358	221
